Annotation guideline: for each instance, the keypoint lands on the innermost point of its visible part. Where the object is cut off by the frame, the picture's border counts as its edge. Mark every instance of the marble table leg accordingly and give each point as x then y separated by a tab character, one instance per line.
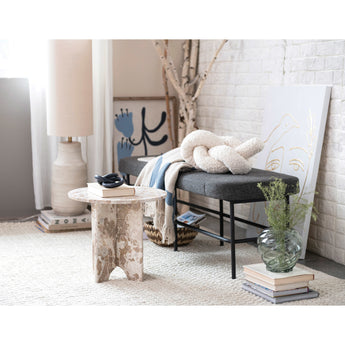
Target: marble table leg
117	240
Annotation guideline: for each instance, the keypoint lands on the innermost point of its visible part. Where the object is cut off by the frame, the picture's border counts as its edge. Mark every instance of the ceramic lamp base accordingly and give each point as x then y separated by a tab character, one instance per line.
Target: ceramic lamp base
69	172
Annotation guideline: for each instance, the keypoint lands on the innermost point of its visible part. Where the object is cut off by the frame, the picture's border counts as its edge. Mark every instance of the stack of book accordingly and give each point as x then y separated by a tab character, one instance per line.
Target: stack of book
49	221
278	287
123	190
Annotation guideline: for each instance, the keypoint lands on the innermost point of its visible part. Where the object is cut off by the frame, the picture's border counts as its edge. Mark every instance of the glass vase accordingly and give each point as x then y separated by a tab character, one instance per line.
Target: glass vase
280	250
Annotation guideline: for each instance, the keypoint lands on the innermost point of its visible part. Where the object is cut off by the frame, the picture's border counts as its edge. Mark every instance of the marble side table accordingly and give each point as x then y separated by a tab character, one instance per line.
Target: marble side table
117	231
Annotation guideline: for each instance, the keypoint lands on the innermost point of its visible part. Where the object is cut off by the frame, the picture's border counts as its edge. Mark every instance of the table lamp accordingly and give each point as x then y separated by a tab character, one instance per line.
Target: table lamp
69	114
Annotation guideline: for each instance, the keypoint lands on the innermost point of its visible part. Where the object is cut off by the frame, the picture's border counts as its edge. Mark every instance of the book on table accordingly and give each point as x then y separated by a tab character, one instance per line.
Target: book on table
281	299
99	190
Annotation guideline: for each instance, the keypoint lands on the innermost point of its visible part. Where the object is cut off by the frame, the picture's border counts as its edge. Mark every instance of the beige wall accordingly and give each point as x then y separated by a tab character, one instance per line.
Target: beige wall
137	70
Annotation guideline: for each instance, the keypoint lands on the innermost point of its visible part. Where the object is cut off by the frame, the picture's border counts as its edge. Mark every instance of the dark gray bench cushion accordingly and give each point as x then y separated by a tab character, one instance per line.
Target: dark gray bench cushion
235	188
131	165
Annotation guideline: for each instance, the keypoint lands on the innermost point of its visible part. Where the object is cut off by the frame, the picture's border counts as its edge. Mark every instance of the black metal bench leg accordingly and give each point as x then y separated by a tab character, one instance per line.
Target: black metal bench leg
221	221
175	224
232	236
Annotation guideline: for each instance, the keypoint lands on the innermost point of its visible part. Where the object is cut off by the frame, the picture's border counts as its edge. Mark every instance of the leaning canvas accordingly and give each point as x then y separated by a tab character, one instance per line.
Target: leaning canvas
293	129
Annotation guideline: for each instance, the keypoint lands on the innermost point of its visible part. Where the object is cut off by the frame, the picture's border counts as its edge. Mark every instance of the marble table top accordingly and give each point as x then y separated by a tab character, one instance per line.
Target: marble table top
142	194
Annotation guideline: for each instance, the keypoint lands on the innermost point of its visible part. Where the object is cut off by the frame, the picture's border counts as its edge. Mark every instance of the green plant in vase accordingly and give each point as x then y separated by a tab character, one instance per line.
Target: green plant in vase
280	246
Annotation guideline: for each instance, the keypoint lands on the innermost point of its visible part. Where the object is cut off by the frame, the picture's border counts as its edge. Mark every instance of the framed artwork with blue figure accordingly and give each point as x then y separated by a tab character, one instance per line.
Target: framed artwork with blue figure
142	127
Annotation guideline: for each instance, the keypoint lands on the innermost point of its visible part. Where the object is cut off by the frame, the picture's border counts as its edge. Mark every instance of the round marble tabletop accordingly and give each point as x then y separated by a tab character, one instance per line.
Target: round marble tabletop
142	194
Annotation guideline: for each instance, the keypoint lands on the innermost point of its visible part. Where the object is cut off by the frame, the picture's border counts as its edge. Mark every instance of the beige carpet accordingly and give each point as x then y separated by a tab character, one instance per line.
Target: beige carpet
55	269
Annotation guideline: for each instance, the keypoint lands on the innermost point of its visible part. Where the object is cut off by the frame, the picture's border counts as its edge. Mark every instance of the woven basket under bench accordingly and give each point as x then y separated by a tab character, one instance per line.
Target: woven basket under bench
184	235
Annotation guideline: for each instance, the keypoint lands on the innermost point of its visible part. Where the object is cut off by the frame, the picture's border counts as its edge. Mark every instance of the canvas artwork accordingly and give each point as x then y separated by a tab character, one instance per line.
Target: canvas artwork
293	129
141	127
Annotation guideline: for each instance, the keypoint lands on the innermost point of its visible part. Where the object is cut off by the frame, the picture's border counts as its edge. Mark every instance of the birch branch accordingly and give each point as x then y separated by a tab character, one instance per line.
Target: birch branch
185	66
168	68
193	65
205	74
195	80
171	63
182	125
167	101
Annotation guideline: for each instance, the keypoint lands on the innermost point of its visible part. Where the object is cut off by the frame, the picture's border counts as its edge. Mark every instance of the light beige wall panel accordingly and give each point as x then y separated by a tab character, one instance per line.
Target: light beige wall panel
137	70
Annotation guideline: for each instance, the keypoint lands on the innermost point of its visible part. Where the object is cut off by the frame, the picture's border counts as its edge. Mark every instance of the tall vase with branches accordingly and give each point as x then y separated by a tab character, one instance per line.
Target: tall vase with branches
189	85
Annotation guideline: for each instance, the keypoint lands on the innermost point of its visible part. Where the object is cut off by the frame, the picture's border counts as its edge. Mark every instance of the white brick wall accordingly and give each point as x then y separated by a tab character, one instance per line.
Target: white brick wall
231	103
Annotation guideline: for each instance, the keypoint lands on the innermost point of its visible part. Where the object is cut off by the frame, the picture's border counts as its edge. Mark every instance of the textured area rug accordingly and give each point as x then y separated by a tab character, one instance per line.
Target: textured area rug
56	269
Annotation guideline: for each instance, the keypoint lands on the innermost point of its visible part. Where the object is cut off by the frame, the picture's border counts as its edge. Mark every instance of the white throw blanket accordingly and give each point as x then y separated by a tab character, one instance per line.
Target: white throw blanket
202	150
219	154
162	172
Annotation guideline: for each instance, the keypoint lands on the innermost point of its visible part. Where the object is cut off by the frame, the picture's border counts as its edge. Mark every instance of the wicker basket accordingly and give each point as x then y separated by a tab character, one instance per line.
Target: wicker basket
184	235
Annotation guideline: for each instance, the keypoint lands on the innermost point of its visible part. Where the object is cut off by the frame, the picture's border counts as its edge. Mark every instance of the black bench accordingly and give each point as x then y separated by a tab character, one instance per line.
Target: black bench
225	187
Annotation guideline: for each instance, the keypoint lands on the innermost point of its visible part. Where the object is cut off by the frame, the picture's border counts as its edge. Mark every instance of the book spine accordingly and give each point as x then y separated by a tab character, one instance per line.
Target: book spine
42	222
101	191
298	297
112	193
96	192
43	216
83	219
282	299
272	293
63	226
119	193
40	227
257	293
279	281
277	287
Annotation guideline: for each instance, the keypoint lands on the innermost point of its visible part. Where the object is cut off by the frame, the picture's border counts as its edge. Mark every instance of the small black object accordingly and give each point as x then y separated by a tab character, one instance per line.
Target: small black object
110	180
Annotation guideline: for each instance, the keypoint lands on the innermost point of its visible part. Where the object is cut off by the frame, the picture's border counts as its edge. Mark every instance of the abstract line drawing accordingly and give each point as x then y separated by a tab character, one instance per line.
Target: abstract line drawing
293	128
140	127
280	154
276	157
144	132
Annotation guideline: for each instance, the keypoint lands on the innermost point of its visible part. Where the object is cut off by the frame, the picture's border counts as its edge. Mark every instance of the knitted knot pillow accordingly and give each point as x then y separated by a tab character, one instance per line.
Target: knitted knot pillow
219	154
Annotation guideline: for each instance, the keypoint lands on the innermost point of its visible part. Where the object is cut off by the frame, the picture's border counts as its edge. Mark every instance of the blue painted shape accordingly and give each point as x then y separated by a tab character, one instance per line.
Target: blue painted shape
124	149
160	184
158	174
155	171
124	123
169	200
157	179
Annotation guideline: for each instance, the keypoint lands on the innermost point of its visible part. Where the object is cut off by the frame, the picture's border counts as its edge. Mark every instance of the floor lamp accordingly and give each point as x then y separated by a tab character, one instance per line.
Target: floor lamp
69	114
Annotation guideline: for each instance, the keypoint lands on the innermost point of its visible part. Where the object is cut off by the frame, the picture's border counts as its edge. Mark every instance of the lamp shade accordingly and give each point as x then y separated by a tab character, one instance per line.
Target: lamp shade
69	88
